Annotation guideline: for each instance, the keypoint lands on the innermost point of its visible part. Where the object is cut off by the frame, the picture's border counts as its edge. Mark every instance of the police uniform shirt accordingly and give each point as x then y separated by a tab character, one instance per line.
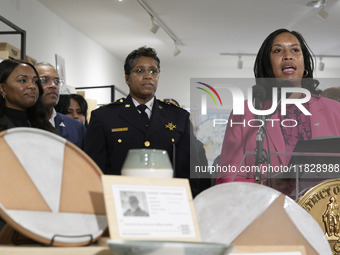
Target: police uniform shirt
118	127
148	105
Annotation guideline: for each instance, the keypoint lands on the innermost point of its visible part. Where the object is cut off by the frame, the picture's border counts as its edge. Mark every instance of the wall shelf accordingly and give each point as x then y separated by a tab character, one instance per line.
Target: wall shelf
18	30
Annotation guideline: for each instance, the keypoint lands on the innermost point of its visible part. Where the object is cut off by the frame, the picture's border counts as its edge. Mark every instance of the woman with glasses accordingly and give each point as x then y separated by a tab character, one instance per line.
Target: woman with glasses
20	100
139	121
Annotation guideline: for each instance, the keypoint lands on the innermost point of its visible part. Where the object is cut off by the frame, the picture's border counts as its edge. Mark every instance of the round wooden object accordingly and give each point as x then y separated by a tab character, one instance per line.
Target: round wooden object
50	190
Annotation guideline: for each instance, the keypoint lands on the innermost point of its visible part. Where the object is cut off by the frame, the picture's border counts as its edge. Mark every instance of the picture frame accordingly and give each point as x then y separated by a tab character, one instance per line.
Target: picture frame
60	67
165	209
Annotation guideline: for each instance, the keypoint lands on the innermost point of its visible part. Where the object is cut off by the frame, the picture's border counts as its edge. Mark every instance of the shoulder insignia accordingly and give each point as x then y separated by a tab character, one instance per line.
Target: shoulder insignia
119	101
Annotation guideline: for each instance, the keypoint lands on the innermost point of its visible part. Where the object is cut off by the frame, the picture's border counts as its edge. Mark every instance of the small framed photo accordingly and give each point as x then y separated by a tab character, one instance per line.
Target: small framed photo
149	209
60	67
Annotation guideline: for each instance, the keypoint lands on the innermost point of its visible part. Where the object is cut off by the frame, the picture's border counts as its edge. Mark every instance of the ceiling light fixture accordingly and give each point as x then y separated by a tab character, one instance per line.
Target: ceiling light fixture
321	65
154	27
161	24
315	3
322	13
177	51
319	4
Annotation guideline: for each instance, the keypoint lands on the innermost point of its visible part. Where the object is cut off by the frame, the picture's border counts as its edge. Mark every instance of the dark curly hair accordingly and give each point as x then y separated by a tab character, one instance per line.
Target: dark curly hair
263	66
131	59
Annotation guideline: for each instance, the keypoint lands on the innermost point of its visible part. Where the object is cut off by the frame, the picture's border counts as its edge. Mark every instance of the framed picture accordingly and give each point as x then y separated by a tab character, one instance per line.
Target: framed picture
149	209
60	67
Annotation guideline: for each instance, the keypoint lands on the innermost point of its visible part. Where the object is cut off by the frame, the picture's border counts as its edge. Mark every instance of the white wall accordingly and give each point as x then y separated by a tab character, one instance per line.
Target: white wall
86	63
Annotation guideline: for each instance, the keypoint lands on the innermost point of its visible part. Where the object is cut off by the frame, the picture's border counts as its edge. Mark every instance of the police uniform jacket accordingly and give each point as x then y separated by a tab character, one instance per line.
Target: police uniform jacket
118	127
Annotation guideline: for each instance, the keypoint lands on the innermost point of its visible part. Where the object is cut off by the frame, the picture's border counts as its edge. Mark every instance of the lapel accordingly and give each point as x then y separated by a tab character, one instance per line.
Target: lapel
60	125
318	118
158	118
130	114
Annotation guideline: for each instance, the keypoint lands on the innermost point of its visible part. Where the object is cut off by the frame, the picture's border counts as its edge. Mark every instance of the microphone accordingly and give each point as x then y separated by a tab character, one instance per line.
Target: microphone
259	94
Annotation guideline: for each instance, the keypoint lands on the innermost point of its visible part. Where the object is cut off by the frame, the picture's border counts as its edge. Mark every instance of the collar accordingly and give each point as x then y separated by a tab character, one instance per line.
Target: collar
53	115
148	104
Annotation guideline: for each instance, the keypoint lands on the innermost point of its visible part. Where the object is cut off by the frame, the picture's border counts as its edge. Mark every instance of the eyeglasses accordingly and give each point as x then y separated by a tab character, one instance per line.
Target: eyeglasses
45	80
141	71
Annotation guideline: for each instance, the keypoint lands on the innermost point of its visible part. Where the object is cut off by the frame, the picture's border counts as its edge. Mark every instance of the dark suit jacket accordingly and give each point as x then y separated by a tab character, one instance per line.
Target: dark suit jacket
70	129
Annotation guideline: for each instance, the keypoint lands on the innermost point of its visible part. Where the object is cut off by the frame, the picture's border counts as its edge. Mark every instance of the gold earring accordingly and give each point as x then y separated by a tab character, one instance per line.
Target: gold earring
305	73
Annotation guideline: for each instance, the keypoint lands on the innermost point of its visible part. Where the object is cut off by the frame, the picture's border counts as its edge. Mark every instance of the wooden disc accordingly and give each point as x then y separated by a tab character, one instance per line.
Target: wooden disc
50	190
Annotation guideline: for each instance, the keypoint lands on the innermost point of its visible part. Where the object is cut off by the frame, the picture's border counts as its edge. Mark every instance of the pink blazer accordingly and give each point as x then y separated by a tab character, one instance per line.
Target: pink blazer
238	139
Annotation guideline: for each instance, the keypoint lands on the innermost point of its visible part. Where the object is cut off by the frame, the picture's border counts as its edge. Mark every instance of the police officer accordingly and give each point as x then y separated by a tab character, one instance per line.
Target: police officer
123	125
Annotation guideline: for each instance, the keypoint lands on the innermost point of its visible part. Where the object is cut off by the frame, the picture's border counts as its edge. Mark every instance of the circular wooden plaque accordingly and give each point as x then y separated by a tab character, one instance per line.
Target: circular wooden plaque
50	190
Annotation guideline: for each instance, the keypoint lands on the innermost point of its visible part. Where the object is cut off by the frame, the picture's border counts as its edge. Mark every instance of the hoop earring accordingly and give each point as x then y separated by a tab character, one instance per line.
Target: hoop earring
305	73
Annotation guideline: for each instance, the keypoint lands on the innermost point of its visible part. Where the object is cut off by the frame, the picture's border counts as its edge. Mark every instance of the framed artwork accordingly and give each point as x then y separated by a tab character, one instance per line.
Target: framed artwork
149	208
60	66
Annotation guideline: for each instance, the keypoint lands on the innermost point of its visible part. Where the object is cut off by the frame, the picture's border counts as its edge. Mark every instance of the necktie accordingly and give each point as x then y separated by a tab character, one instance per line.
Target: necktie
142	108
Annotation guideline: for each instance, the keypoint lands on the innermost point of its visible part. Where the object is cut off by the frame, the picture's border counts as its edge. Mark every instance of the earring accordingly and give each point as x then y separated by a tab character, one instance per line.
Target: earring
3	96
305	73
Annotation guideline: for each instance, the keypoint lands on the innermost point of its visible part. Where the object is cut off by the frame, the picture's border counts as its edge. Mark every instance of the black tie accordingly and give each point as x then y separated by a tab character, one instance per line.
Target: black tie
142	108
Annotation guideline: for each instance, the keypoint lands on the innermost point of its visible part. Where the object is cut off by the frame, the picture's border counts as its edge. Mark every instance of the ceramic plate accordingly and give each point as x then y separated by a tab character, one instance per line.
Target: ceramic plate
125	247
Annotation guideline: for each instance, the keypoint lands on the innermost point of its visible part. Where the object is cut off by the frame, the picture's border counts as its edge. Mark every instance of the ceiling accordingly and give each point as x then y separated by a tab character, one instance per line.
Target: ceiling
205	28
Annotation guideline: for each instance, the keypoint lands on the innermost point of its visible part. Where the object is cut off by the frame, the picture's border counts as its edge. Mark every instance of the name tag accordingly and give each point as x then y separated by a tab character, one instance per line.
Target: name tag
119	129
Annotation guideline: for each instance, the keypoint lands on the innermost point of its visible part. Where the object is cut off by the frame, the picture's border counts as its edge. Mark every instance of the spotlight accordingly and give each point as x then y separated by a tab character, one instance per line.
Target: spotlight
154	27
239	63
319	4
177	51
323	14
321	65
315	3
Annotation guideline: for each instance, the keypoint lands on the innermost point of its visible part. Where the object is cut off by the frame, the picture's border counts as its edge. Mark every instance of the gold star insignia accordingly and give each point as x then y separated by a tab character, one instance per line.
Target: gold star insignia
170	126
127	106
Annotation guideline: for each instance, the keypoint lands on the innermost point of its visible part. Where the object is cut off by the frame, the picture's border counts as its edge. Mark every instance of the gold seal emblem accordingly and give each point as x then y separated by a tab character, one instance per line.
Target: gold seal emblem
170	126
322	202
